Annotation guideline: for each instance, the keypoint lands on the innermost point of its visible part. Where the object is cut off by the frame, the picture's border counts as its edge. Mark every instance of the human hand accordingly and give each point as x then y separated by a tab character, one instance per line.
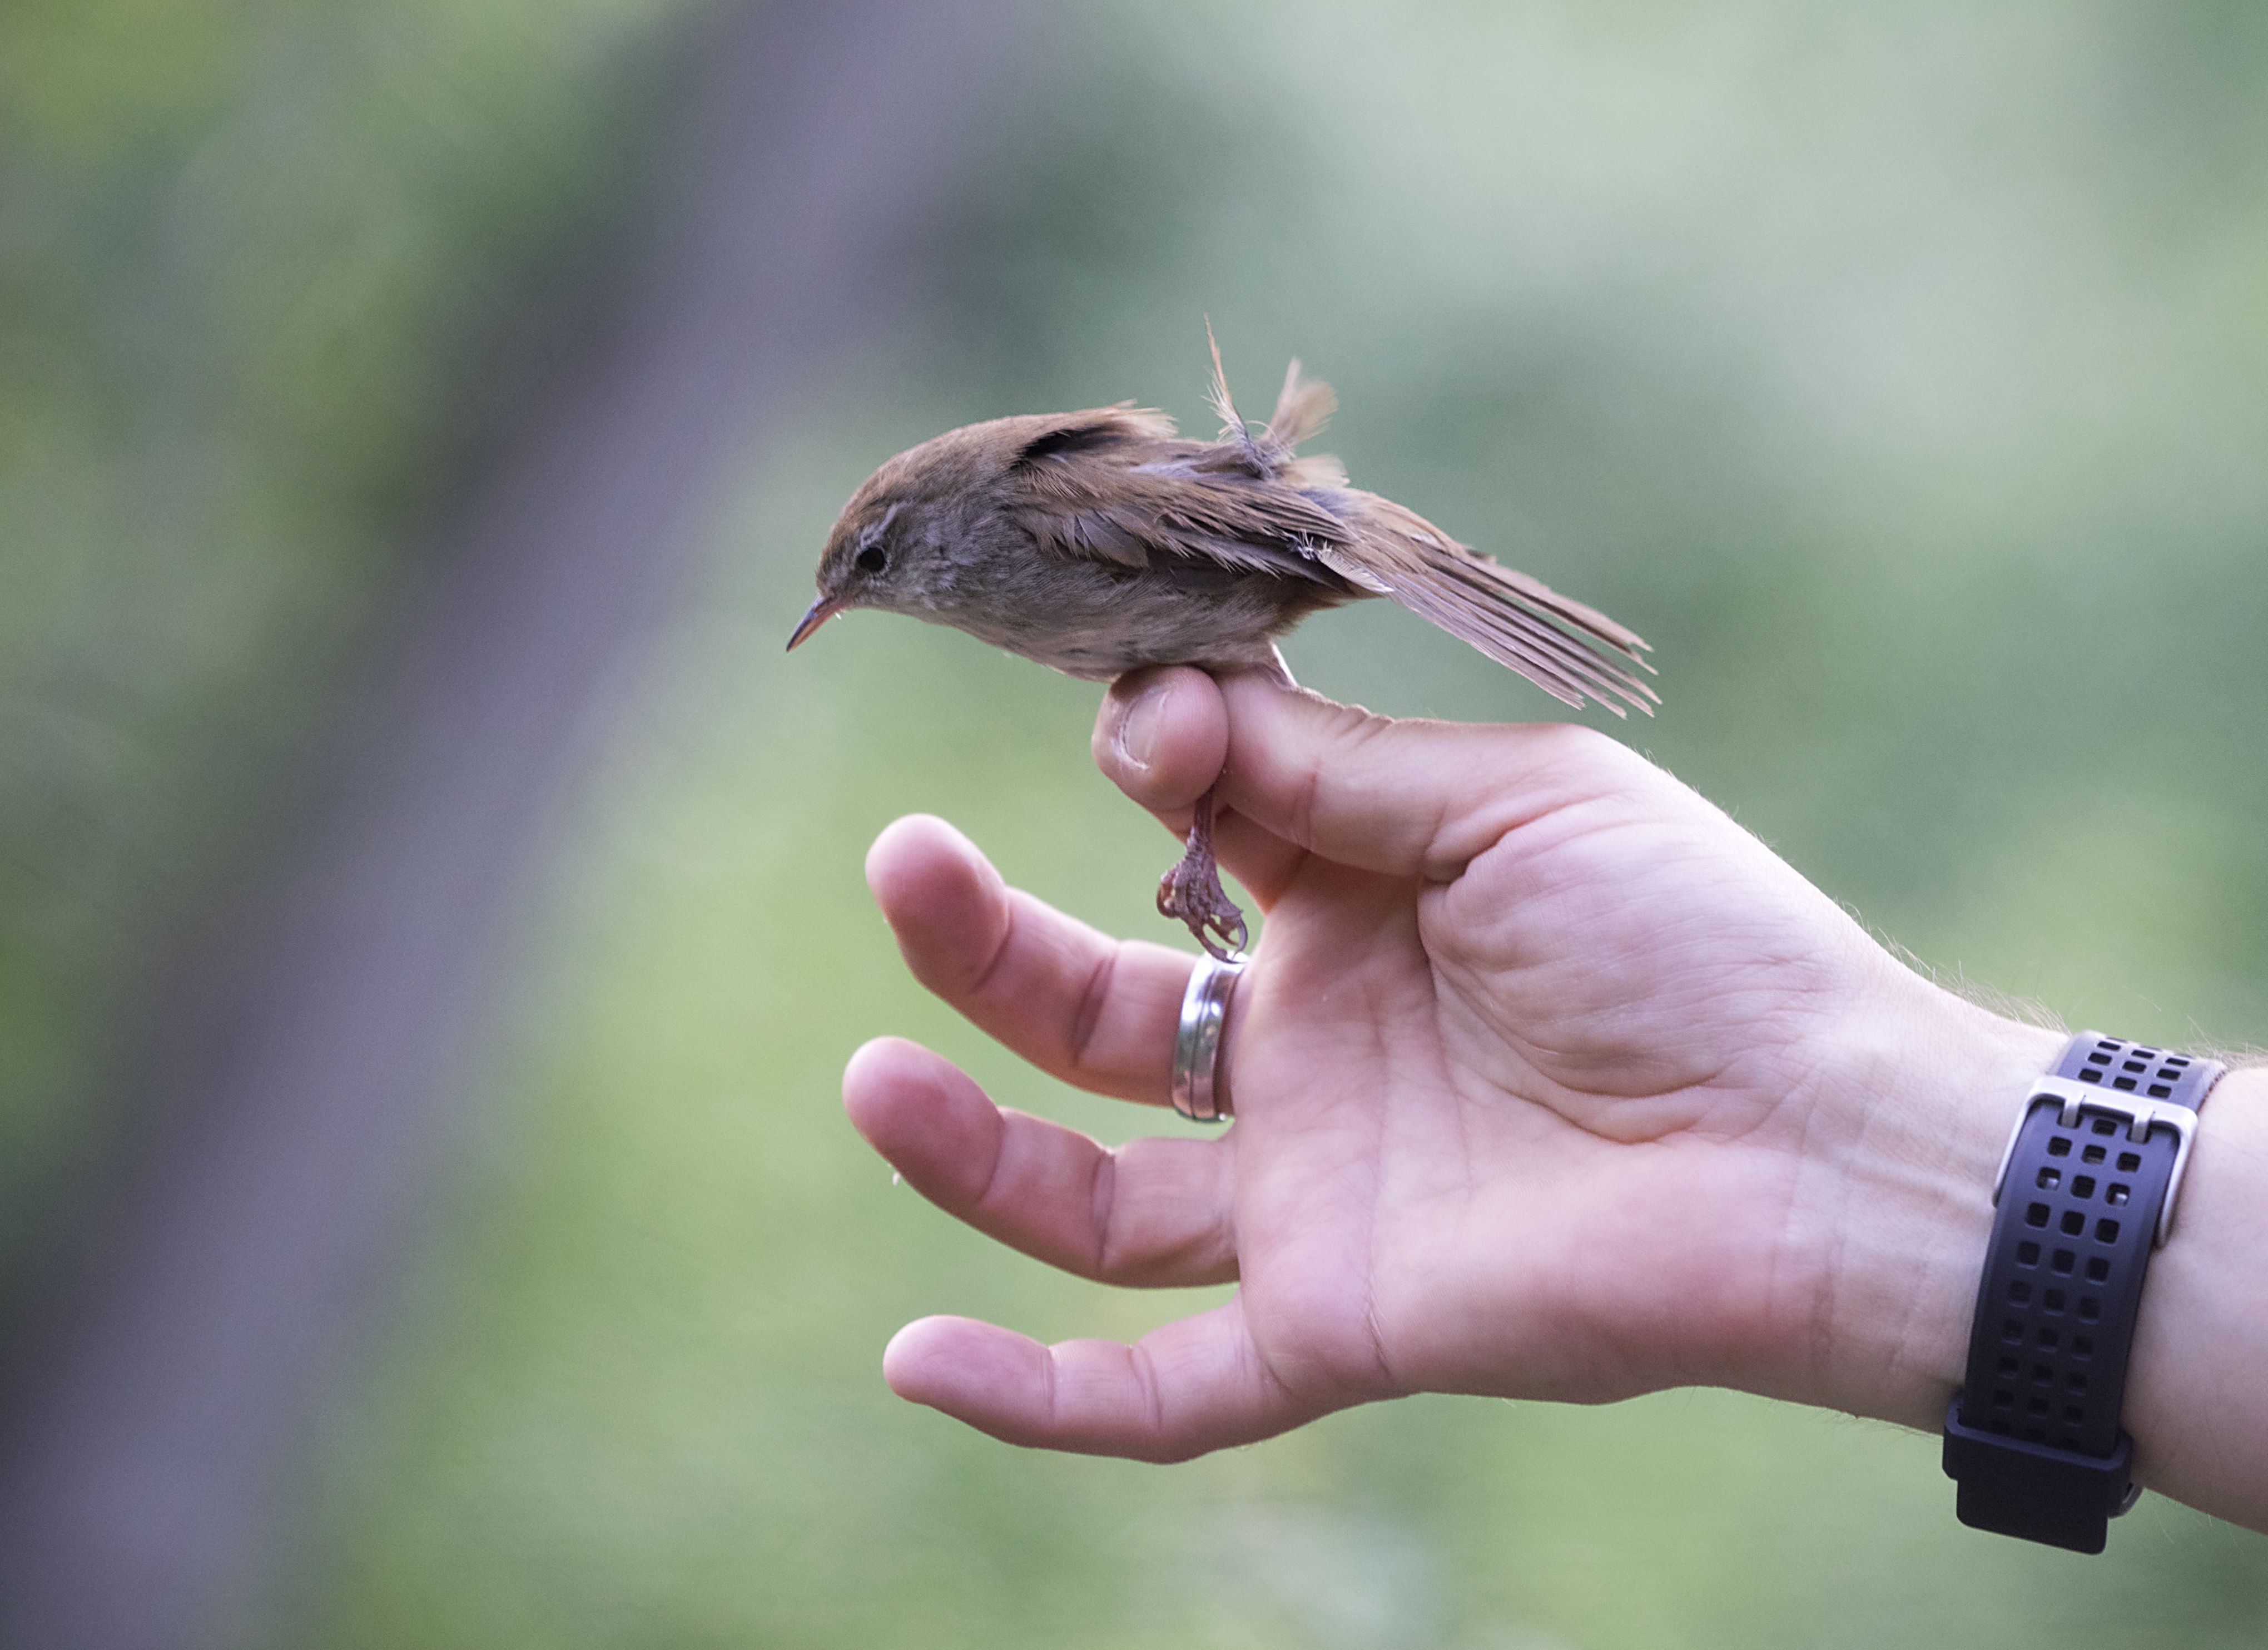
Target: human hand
1551	1081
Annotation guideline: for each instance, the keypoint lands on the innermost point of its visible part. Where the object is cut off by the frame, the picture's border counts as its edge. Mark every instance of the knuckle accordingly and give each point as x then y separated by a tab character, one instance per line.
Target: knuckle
1094	997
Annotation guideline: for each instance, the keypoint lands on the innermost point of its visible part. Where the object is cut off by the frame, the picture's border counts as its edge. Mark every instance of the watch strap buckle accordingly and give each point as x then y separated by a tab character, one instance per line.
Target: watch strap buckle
2141	1118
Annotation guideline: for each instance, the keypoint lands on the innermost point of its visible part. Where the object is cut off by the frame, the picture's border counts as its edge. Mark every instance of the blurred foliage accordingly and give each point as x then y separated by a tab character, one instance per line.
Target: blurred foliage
268	275
1902	374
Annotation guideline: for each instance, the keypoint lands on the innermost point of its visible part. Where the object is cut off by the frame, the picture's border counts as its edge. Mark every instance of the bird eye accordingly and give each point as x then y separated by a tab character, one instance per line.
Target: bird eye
873	560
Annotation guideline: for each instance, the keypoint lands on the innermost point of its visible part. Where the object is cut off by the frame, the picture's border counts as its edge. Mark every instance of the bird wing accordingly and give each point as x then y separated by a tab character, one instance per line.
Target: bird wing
1114	485
1146	502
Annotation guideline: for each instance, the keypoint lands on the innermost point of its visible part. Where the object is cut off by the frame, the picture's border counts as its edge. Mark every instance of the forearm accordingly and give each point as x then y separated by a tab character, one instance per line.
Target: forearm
2197	1394
1938	1082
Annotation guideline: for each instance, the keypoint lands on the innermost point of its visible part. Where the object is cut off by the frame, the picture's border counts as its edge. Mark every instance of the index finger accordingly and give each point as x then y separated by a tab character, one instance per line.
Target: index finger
1092	1010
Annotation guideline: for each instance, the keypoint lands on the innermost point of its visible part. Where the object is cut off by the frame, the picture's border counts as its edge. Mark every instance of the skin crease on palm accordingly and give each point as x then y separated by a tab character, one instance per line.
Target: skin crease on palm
1551	1081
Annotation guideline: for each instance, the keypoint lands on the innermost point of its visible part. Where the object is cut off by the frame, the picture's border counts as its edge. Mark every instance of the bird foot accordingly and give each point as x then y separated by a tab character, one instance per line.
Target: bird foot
1191	893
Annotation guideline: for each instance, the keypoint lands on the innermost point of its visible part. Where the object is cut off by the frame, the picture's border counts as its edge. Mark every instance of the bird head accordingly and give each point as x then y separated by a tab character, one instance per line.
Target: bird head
920	532
893	546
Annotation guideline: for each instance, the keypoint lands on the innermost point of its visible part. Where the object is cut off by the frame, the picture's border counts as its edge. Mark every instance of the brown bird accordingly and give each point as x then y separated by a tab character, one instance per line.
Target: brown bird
1097	542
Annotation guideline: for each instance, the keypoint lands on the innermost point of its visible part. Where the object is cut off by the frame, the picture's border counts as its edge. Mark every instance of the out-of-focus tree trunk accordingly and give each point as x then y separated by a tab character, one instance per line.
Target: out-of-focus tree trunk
167	1390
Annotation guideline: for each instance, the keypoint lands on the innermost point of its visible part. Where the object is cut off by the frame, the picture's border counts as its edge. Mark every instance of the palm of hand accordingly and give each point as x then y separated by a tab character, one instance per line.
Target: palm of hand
1506	1121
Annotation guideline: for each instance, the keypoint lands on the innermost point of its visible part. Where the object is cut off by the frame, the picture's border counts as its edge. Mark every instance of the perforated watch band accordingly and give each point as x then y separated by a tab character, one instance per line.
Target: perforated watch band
2085	1191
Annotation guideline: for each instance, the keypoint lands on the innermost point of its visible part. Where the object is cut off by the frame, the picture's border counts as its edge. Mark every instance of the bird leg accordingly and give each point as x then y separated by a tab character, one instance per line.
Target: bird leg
1192	894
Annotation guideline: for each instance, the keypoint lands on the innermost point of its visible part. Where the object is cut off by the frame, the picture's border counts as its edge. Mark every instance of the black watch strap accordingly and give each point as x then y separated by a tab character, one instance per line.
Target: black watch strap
2085	1191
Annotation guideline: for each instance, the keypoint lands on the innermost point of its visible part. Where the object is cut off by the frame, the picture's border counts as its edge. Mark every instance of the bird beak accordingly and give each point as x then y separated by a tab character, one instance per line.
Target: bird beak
821	610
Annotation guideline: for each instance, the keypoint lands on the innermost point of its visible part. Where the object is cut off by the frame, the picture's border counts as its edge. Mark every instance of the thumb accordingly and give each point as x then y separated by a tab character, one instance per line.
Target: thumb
1407	798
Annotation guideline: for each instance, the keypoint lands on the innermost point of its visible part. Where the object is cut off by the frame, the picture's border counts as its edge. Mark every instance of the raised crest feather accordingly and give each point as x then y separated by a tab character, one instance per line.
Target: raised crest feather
1233	427
1302	410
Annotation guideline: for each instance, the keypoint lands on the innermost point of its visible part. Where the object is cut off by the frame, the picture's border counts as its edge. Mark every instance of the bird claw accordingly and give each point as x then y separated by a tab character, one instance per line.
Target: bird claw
1191	893
1195	897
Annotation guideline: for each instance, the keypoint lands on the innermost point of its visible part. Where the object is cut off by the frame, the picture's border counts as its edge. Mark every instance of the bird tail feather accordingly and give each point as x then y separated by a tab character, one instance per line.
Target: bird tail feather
1572	652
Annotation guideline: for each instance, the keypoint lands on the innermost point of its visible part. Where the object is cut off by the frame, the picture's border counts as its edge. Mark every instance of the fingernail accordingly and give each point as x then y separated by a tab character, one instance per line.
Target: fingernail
1137	728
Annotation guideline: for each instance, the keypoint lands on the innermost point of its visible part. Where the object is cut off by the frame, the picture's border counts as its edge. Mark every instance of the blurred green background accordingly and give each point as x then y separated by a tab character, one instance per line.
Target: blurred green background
1902	375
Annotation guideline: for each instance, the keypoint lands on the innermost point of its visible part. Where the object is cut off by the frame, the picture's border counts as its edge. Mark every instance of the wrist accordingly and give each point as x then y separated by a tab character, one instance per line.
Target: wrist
1926	1091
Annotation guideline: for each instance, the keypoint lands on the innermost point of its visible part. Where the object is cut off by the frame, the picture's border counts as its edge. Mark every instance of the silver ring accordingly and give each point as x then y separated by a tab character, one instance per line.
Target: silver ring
1200	1092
